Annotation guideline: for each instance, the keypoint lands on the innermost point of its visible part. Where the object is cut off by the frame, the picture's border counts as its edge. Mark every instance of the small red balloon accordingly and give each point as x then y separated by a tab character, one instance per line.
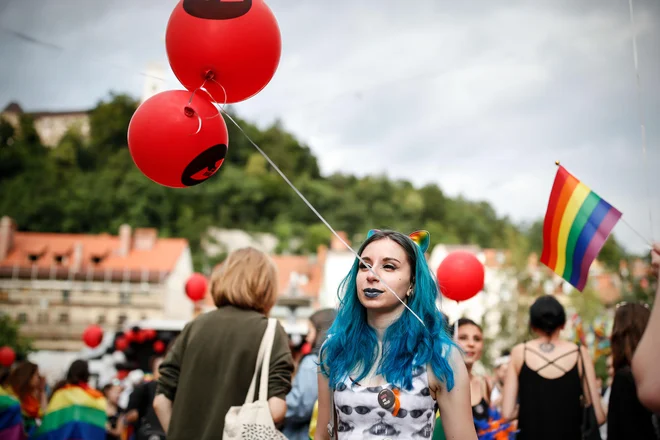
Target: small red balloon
236	43
92	336
460	276
140	337
176	143
149	334
130	336
196	287
159	346
121	343
7	356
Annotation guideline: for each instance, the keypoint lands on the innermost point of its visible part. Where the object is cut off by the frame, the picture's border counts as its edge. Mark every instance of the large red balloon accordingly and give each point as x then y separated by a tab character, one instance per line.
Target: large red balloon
237	43
168	144
460	276
92	336
7	356
196	287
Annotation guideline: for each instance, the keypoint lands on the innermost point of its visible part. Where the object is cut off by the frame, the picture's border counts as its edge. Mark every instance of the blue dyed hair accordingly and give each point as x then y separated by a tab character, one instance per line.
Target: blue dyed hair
352	345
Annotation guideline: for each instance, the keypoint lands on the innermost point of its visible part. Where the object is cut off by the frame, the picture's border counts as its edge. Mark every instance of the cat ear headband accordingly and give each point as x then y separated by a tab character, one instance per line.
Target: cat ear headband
421	238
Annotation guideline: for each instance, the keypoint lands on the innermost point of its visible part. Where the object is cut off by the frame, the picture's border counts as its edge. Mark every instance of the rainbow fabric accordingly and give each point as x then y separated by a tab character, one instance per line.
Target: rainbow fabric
577	224
496	428
11	420
74	413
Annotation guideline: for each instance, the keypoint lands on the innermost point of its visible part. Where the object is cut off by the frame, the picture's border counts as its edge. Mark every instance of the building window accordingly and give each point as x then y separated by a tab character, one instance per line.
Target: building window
100	320
124	297
122	319
64	318
42	318
66	296
22	318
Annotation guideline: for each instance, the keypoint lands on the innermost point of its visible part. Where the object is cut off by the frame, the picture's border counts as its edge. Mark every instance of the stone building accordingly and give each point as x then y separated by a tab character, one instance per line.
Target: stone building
51	126
57	284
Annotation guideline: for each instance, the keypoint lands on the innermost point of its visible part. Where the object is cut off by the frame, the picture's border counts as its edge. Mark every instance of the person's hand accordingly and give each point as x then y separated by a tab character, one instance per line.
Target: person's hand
655	257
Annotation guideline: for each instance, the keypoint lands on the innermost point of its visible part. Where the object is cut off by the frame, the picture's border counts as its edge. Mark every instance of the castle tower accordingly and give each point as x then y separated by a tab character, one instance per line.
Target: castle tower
154	81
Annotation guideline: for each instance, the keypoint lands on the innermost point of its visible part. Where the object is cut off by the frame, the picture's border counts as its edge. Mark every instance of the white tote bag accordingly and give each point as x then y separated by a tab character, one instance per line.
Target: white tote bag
253	420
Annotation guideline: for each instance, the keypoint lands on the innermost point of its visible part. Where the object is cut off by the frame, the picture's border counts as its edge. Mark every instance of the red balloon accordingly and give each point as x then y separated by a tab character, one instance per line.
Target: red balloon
140	337
236	43
121	343
177	144
460	276
7	356
196	287
149	334
130	336
92	336
159	346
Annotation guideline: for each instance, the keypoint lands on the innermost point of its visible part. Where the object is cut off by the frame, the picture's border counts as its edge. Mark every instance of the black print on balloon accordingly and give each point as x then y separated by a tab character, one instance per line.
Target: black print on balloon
217	9
204	165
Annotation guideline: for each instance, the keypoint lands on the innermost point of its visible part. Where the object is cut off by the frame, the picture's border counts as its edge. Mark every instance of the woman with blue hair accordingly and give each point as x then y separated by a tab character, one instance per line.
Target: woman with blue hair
388	363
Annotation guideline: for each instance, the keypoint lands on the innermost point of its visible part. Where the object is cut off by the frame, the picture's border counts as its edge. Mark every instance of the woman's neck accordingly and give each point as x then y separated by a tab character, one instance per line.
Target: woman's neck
380	321
469	369
551	338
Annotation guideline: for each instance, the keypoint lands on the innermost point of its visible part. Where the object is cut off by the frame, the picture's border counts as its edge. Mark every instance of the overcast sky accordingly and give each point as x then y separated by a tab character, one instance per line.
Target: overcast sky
480	97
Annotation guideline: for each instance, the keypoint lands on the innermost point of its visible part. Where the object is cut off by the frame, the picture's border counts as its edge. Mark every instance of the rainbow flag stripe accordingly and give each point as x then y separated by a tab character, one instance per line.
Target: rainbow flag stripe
577	224
11	420
74	414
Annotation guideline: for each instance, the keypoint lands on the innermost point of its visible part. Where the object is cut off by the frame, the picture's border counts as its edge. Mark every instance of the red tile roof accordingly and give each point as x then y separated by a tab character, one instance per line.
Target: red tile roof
161	257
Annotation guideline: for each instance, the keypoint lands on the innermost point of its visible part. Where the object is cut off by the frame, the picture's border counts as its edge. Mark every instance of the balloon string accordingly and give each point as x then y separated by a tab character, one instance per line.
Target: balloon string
199	118
320	217
640	113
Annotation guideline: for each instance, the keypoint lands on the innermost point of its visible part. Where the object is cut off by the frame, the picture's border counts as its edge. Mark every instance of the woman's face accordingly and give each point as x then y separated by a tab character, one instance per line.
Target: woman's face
35	380
390	262
112	394
471	341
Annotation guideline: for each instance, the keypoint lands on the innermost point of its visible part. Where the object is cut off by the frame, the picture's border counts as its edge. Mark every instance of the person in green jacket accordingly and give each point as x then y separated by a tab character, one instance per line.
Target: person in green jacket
210	366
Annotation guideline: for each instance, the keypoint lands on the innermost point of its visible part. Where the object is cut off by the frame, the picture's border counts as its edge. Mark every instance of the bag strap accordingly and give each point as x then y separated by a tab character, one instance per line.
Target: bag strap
584	379
265	366
265	348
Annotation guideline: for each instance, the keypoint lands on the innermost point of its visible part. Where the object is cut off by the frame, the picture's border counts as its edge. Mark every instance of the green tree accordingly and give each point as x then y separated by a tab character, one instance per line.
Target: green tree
10	336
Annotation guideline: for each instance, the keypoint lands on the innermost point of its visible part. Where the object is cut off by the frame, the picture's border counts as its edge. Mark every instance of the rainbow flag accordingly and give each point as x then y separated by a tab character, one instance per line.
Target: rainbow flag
11	420
74	413
576	225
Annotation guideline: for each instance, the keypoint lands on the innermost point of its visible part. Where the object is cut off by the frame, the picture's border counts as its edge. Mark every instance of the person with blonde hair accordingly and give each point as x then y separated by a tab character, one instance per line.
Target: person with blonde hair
209	368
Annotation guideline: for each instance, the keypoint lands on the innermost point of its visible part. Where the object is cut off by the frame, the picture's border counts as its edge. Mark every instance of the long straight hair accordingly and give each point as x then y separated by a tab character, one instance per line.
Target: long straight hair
352	345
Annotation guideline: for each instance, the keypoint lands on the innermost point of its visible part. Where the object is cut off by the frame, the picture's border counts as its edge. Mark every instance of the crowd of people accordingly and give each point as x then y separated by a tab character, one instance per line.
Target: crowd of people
385	365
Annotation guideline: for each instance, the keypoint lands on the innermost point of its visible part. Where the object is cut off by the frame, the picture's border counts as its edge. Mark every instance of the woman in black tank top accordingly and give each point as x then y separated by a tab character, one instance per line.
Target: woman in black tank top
545	378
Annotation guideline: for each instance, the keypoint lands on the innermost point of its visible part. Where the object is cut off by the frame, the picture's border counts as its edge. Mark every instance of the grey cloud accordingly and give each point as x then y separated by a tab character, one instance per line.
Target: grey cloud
479	96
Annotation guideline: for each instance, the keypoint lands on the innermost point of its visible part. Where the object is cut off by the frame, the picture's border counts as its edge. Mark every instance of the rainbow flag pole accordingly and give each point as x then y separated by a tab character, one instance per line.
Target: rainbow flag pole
576	226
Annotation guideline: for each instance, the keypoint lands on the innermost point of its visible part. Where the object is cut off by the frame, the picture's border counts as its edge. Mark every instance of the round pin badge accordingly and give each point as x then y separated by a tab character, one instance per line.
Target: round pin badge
386	399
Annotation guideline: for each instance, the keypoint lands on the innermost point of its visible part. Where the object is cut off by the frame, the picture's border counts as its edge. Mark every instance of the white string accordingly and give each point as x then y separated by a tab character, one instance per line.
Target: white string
640	112
647	241
304	199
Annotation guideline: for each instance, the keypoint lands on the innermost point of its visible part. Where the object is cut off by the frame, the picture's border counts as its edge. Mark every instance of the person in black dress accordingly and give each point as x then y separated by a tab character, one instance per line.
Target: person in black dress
626	417
114	426
545	374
